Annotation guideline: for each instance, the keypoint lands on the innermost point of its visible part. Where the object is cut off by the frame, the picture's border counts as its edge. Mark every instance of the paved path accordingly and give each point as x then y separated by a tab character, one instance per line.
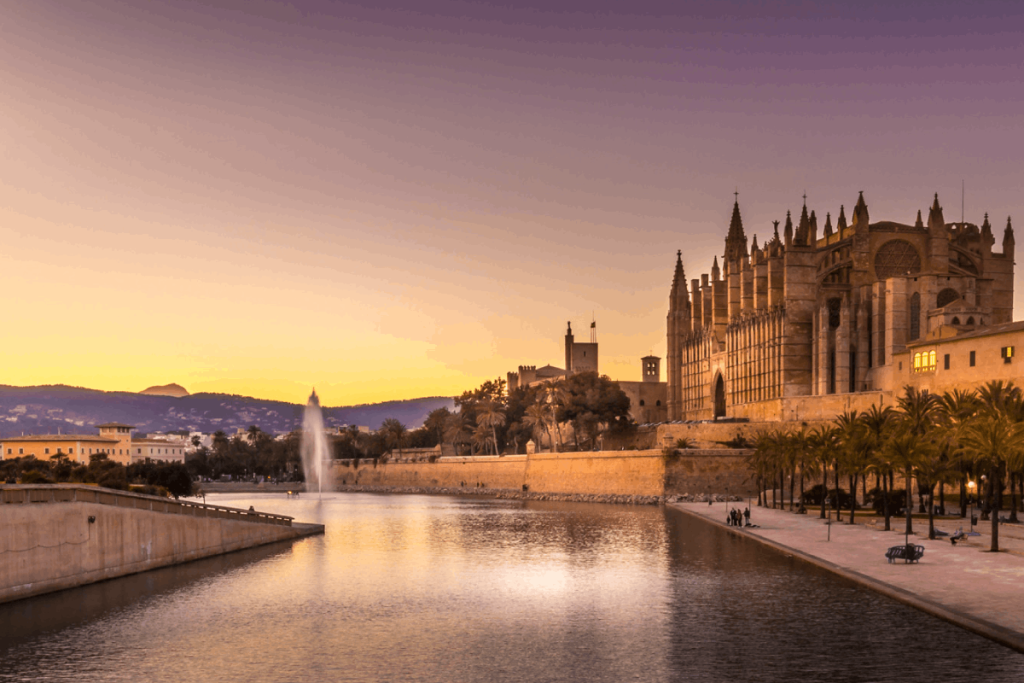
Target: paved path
973	588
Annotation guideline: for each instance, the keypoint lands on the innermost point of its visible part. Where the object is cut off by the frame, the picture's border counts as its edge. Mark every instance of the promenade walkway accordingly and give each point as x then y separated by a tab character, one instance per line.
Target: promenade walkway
964	584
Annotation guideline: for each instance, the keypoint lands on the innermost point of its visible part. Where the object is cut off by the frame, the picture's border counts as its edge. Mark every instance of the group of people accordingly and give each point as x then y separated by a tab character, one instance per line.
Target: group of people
737	518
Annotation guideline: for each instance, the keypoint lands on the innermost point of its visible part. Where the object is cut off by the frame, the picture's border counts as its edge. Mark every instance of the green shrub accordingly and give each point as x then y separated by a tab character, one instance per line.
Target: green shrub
815	495
897	501
739	441
35	477
684	443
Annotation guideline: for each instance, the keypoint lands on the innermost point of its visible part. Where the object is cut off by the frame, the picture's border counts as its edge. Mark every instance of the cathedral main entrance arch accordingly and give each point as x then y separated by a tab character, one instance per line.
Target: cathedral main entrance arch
719	394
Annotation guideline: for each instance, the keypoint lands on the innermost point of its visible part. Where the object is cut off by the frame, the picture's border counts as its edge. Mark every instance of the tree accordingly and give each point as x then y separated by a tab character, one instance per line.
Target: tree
592	403
877	423
989	439
536	418
394	433
917	415
457	430
436	422
491	415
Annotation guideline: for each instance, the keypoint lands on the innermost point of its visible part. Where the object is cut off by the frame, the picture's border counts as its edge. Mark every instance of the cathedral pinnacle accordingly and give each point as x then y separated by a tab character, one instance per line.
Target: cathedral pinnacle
919	223
679	278
986	229
1008	240
841	221
788	230
860	211
936	223
736	241
715	270
828	224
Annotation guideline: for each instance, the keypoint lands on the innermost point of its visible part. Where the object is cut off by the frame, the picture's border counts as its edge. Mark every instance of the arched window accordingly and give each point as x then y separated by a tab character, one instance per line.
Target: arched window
970	321
641	403
946	296
915	316
956	320
931	360
917	362
657	404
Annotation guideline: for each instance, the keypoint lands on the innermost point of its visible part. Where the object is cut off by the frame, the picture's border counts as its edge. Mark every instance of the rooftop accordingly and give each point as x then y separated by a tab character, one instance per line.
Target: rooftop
59	437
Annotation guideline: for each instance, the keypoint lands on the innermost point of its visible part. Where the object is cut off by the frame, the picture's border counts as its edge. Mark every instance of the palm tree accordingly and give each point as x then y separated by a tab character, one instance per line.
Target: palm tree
822	443
394	433
917	416
989	439
493	416
557	396
956	409
481	437
457	430
876	424
855	452
536	418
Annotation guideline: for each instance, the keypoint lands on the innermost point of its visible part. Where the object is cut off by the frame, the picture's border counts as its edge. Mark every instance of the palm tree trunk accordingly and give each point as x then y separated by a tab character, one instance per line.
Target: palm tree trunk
1013	496
963	497
801	487
773	493
942	497
839	508
792	482
853	496
824	488
931	515
994	513
910	503
494	435
885	504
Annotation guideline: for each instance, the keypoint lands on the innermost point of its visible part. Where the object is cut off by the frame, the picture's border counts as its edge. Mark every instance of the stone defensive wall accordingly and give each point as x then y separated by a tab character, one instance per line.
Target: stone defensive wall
612	473
65	535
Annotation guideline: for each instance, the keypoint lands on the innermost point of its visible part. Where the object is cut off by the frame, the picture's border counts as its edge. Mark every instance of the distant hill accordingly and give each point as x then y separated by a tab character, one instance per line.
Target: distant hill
45	409
175	390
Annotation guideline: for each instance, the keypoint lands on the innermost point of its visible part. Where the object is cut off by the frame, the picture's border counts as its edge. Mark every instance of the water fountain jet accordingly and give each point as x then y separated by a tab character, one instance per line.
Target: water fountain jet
314	448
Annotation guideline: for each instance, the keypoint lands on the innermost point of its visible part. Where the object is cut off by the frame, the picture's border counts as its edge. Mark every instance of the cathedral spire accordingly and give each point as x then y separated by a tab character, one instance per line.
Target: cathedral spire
788	230
986	227
736	241
935	220
1008	241
841	221
803	228
828	224
919	223
716	272
860	211
813	226
679	277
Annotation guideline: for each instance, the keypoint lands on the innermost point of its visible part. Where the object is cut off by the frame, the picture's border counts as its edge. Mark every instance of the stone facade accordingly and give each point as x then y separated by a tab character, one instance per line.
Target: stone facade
828	316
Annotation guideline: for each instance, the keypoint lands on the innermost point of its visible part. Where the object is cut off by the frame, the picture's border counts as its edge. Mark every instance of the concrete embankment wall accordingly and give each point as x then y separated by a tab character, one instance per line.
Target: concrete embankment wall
629	473
50	545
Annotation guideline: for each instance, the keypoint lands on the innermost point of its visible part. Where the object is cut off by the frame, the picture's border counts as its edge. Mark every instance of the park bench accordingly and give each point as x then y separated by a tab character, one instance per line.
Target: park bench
907	553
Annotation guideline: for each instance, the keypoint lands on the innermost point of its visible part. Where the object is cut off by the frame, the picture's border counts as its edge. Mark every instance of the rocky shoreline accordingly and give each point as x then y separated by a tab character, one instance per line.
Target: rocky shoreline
513	494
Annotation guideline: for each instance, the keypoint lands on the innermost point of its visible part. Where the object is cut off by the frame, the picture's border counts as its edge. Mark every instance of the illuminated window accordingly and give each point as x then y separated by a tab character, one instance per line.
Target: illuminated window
1007	353
924	361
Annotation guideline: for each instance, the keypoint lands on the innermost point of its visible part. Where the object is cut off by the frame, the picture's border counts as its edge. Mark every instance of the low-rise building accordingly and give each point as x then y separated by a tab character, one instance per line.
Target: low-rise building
114	440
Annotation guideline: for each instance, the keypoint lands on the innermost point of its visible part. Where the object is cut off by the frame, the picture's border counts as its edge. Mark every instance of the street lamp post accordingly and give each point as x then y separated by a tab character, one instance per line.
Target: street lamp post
828	521
971	486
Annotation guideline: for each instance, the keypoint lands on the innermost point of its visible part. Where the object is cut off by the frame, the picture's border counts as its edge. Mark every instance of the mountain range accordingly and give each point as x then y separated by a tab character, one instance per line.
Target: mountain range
49	409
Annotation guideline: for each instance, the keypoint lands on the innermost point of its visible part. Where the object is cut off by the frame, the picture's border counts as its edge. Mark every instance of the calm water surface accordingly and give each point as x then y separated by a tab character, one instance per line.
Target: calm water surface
418	588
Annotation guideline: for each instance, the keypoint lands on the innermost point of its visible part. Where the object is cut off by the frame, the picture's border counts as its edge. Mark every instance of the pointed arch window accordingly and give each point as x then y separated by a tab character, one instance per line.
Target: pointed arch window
915	316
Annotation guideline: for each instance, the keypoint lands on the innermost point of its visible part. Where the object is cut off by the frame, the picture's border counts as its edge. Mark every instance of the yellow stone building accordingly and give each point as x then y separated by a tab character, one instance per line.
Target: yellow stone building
114	440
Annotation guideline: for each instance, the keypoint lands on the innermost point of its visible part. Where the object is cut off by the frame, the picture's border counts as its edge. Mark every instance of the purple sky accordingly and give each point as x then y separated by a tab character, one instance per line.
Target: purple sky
401	199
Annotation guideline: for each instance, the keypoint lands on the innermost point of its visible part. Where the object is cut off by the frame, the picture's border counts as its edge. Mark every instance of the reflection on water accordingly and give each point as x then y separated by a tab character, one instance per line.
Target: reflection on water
418	588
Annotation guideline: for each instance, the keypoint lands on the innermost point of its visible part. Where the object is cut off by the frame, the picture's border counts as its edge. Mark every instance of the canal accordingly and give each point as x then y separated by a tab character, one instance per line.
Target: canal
430	588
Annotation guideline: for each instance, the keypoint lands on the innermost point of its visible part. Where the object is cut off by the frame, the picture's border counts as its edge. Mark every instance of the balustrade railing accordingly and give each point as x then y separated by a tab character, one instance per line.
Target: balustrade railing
80	493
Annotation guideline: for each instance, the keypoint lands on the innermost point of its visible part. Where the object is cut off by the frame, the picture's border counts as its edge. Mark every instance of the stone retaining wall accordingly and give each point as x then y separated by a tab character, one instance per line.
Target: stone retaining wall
602	473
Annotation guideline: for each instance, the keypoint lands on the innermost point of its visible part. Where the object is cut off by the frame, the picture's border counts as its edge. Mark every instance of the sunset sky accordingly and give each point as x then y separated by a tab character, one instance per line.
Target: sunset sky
393	200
